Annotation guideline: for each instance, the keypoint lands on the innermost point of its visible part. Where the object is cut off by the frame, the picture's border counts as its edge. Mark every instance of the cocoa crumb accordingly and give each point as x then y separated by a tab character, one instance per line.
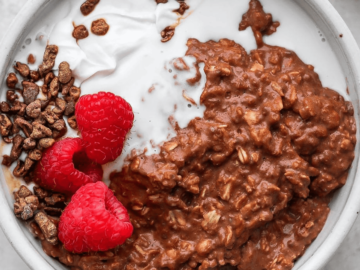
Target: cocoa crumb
24	125
66	87
28	164
41	193
29	144
4	107
72	122
7	140
80	32
182	9
35	155
48	63
60	106
40	131
16	149
65	72
47	227
161	1
5	125
31	59
33	110
25	203
46	143
44	103
99	27
7	161
59	125
11	80
75	93
23	69
19	170
88	7
54	87
167	33
35	230
30	92
48	78
70	108
34	75
11	96
54	199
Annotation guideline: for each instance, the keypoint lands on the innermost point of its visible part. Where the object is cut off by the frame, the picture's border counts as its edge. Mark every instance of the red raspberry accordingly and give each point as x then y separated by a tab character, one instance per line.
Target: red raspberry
64	167
94	220
103	120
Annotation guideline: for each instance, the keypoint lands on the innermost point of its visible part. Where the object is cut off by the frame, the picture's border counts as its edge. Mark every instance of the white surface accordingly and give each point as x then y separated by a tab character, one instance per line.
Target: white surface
8	261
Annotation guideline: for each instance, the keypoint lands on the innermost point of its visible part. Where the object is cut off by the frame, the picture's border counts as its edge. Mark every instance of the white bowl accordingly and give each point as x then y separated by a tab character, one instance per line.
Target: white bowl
344	206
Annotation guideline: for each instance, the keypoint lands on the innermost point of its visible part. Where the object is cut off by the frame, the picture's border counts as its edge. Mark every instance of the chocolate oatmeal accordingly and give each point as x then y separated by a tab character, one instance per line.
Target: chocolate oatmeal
246	186
80	32
88	6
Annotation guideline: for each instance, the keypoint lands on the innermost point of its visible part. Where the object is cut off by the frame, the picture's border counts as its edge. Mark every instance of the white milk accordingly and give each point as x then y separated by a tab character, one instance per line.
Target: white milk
131	59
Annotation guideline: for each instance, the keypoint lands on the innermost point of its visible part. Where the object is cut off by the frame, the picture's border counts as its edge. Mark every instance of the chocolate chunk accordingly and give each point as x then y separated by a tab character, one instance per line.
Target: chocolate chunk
65	73
11	80
33	110
80	32
30	92
99	27
40	131
88	7
48	63
5	125
23	69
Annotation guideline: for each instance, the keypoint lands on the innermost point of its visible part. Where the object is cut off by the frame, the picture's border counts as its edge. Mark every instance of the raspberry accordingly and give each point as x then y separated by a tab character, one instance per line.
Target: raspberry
103	120
64	167
94	220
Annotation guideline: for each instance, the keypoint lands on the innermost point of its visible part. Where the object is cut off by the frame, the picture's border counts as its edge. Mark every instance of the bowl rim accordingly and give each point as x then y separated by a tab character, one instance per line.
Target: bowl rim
327	248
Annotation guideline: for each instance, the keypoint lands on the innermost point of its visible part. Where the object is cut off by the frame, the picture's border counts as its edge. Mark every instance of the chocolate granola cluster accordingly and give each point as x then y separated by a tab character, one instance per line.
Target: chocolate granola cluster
33	116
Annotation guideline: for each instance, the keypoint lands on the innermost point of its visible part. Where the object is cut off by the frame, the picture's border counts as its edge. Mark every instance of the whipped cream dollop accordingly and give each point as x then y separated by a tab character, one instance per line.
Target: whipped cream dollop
132	62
